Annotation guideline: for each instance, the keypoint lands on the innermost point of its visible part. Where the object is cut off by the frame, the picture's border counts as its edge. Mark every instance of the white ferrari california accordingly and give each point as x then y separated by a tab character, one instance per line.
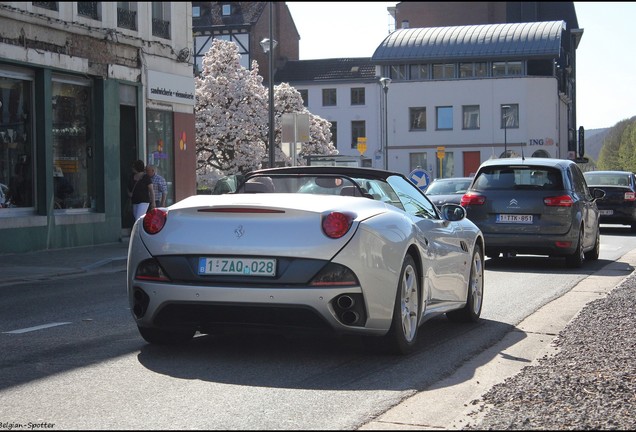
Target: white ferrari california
350	250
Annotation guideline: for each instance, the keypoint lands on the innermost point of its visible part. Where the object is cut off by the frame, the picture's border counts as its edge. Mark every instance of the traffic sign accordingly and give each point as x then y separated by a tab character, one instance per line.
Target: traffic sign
441	150
420	178
362	144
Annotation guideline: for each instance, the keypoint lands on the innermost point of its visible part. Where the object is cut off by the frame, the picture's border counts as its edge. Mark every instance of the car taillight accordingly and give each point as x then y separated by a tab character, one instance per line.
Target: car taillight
151	270
629	196
336	224
472	198
154	220
559	201
335	275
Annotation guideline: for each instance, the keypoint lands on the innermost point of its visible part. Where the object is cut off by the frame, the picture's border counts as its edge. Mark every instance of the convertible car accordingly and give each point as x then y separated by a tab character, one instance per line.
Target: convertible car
349	250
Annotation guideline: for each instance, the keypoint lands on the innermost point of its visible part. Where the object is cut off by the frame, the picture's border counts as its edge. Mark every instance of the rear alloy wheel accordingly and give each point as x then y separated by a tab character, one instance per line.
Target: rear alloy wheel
593	254
575	260
406	312
474	298
165	337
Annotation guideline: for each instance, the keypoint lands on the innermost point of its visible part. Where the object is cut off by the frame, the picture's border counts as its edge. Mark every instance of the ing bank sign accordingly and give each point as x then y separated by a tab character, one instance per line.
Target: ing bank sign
540	142
170	88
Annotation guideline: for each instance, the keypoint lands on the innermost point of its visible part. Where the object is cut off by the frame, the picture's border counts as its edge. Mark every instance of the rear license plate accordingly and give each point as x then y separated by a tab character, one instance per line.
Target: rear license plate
513	218
607	212
237	266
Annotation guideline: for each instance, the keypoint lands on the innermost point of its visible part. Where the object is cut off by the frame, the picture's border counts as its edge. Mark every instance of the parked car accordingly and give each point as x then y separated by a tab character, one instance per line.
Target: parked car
271	256
447	190
535	206
619	204
227	184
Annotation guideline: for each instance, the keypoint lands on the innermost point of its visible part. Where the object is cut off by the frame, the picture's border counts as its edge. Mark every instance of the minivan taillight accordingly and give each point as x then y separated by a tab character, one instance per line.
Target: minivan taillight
472	198
559	201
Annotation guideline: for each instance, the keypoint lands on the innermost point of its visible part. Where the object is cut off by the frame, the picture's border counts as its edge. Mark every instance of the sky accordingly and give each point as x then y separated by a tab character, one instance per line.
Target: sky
606	56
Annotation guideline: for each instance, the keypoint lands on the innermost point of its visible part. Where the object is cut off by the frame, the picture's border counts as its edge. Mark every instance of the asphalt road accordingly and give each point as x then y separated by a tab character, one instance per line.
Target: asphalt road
71	357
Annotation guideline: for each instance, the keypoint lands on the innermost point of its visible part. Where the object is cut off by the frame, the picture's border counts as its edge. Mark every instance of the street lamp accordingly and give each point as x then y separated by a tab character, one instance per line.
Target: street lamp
268	45
505	109
384	82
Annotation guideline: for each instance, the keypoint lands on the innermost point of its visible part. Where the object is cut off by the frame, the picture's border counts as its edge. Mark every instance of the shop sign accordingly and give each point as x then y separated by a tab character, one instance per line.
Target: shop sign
170	88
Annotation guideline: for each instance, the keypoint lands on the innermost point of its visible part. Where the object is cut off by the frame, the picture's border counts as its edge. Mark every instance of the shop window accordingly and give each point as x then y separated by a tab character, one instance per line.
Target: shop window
17	177
73	170
160	147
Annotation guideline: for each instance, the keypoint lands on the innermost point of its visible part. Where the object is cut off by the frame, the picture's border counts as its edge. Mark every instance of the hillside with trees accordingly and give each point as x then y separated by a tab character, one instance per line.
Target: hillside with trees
619	147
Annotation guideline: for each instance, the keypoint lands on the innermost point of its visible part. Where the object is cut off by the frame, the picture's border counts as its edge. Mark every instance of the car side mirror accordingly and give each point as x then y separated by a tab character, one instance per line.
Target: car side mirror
453	212
598	194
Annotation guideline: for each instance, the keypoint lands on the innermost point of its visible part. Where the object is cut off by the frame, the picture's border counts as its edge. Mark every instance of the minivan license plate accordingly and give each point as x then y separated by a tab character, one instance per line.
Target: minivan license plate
514	218
237	266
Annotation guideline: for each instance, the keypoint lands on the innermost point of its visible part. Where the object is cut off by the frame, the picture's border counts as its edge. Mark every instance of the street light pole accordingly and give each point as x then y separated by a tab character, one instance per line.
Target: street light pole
505	119
268	46
384	82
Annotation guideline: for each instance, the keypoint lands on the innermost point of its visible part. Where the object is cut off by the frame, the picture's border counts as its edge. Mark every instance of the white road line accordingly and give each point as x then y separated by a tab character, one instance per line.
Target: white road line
40	327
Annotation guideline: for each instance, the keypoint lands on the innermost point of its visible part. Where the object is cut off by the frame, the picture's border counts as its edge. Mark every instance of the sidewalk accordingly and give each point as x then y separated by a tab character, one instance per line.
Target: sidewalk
41	265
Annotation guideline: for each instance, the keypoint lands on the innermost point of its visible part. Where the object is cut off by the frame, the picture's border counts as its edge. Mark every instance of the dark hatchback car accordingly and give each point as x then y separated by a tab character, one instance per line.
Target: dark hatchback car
447	190
536	206
619	204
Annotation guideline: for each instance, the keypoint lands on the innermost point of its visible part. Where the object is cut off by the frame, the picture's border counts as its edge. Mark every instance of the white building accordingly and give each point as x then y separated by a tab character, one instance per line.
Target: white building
457	96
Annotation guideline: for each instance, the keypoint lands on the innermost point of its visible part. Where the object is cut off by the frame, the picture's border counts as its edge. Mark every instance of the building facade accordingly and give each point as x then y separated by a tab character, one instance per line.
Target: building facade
87	88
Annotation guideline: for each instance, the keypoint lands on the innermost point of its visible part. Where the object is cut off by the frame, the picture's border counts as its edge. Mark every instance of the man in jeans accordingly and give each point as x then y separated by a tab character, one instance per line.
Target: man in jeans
159	185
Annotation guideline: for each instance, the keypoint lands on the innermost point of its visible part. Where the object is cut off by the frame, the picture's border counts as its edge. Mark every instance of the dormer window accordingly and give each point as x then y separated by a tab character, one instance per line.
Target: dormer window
226	9
196	11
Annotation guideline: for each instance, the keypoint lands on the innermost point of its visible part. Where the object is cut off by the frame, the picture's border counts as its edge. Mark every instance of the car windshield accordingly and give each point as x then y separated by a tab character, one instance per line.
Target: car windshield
319	184
522	177
606	179
448	187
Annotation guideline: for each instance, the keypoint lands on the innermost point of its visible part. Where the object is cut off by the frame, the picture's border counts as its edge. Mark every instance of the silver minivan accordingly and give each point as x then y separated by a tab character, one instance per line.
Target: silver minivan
535	206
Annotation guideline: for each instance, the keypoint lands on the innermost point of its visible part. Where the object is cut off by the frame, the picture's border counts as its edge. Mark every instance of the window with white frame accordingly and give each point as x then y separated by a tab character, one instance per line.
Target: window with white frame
470	117
334	133
357	96
417	116
161	19
444	117
226	9
329	97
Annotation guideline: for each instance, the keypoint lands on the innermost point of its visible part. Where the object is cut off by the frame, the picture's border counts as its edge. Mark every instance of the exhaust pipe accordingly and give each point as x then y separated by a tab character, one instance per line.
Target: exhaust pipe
345	302
349	317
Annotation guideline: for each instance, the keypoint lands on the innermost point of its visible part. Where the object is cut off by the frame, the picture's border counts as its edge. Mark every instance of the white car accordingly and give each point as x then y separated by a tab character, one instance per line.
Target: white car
378	258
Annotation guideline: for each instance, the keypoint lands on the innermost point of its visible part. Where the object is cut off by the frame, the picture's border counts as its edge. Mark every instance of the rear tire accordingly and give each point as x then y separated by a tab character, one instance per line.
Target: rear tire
157	336
575	260
596	250
402	335
474	298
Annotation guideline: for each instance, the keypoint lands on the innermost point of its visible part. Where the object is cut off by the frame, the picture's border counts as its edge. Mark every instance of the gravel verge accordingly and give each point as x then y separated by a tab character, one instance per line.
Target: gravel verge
587	383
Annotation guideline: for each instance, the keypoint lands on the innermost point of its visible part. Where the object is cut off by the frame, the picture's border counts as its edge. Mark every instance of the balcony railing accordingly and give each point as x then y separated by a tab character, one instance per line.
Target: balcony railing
46	5
88	10
127	19
161	28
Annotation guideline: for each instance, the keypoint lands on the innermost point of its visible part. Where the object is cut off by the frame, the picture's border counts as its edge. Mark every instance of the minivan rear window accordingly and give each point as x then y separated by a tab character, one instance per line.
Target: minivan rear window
526	177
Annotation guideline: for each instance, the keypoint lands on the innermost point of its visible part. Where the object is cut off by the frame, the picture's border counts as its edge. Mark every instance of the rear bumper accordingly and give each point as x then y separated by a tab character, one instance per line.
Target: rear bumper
530	244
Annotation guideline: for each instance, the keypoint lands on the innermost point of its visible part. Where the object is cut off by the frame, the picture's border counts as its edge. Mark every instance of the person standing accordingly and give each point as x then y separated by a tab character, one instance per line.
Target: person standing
140	191
159	186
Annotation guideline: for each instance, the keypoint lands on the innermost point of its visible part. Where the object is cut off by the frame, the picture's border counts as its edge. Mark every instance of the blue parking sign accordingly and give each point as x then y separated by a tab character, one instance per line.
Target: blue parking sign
420	178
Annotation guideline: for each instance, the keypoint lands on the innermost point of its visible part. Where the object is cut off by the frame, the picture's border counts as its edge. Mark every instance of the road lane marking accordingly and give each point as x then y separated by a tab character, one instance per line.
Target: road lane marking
40	327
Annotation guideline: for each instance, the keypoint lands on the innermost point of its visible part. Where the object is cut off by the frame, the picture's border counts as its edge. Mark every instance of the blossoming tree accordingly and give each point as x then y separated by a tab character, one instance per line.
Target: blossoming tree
232	118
